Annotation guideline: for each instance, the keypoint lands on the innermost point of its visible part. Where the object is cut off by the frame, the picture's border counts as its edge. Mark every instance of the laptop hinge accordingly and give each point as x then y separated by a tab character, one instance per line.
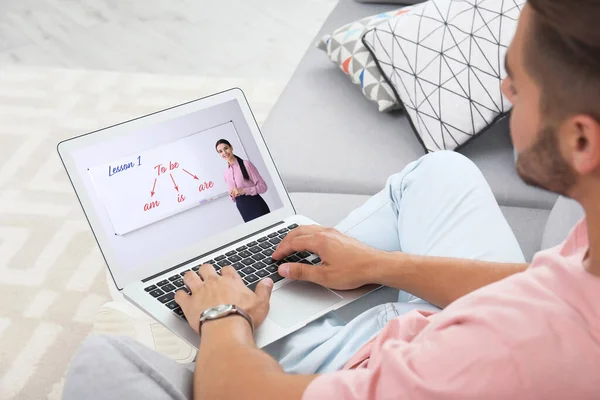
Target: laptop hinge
210	252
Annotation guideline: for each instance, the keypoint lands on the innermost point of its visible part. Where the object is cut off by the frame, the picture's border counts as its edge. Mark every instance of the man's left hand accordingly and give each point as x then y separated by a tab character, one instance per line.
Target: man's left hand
209	289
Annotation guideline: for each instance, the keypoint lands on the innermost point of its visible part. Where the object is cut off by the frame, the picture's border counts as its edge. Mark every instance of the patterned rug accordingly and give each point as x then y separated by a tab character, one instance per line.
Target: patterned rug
52	276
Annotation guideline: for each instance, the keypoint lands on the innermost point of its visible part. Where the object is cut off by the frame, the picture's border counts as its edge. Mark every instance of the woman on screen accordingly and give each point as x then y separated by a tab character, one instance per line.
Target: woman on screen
244	182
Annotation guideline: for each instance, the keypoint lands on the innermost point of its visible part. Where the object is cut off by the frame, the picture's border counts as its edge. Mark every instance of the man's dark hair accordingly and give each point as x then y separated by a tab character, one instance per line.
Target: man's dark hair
562	54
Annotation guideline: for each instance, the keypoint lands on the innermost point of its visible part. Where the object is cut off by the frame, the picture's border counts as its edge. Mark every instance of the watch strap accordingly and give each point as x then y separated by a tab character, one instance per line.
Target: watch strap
235	310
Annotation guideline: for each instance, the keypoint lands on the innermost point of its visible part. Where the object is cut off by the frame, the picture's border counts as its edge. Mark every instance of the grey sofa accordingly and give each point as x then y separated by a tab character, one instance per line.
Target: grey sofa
334	149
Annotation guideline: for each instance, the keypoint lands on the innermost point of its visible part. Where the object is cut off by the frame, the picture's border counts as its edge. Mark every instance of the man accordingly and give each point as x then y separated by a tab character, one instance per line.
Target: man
507	330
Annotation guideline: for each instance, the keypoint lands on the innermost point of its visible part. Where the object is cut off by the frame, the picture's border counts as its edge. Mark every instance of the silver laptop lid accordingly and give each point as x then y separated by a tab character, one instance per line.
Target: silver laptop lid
156	192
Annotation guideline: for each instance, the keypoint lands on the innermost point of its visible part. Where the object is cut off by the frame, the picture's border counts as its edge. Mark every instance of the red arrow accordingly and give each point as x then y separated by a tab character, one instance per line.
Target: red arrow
176	187
153	187
195	177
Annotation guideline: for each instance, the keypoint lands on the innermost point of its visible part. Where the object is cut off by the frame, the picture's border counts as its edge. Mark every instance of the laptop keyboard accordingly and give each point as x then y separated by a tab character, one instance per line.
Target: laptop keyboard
252	261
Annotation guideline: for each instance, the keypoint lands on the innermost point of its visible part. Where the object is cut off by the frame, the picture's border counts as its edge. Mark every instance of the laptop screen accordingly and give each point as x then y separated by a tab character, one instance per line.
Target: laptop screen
168	186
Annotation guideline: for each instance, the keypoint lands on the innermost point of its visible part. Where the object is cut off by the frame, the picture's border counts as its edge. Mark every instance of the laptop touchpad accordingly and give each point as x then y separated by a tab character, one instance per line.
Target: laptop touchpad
297	301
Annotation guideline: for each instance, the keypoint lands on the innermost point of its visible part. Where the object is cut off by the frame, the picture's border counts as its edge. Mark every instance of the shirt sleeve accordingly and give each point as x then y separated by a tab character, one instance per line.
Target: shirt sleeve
459	362
227	183
260	186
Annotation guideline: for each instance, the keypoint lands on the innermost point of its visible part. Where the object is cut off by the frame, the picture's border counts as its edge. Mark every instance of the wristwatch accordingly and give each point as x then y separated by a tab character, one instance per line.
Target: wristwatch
222	311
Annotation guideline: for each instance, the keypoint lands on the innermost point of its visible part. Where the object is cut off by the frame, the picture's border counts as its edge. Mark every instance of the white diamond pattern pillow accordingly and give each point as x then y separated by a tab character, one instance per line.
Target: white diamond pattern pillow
347	50
445	61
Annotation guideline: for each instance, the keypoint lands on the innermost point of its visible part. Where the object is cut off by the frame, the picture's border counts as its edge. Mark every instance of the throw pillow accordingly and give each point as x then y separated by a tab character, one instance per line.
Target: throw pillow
347	50
445	61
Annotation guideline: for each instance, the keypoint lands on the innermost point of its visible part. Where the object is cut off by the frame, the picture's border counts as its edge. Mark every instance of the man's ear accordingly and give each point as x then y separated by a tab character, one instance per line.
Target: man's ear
583	144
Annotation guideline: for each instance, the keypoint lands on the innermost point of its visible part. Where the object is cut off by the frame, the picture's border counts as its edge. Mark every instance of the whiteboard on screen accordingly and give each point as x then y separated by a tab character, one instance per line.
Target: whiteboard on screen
155	184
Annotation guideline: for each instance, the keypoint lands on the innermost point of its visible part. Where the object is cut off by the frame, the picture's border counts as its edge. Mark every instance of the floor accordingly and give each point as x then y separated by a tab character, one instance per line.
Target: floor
70	66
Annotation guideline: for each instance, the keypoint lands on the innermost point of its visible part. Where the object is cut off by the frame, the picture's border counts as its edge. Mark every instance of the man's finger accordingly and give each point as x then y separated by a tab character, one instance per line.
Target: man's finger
207	271
301	272
183	299
299	231
192	281
303	230
299	242
229	271
263	290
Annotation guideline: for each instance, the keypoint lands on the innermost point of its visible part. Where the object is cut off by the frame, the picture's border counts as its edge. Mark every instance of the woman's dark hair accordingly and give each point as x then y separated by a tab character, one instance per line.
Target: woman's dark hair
240	161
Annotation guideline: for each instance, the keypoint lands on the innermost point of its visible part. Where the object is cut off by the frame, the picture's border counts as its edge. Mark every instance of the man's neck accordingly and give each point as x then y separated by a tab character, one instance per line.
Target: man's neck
591	206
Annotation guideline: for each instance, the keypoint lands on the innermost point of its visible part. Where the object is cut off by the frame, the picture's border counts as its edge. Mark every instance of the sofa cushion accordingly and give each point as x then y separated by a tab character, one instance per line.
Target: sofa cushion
563	217
326	137
329	209
528	226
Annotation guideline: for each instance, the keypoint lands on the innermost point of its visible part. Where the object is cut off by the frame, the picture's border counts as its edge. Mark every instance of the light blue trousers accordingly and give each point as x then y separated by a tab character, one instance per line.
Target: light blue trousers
439	205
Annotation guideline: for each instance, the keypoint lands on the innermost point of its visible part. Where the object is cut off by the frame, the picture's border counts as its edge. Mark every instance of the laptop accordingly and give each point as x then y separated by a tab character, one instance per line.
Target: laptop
156	193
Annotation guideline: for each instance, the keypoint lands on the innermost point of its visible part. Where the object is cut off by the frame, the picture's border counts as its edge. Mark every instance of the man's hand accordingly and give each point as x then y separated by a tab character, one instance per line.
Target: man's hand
346	263
208	289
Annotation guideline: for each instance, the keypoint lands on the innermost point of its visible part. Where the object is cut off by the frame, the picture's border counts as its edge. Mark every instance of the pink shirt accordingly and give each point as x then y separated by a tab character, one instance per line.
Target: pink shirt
534	335
235	179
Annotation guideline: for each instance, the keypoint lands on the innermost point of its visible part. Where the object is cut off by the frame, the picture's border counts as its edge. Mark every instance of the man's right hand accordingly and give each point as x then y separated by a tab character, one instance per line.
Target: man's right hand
346	262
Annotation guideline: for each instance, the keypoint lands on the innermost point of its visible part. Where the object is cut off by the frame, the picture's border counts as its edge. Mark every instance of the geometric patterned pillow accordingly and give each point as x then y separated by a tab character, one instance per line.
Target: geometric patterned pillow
445	61
346	49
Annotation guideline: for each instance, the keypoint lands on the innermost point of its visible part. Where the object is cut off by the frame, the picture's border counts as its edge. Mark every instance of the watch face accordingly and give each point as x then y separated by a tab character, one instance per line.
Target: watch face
218	310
